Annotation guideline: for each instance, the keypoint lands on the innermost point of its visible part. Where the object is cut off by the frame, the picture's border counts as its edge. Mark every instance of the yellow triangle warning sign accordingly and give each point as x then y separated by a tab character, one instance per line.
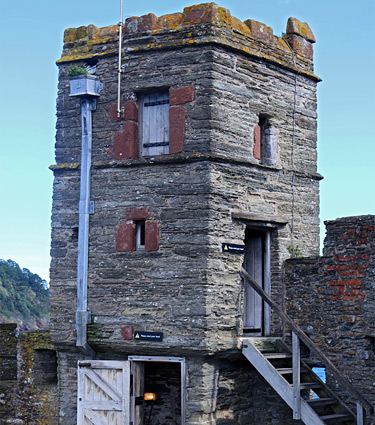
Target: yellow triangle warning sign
136	335
225	247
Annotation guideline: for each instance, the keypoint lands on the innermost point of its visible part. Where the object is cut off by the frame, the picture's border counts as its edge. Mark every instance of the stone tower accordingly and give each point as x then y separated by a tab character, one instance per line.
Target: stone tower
213	150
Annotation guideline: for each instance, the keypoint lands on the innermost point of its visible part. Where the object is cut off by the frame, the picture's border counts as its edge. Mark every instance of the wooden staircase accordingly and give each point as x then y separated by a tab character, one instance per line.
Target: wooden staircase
318	404
295	381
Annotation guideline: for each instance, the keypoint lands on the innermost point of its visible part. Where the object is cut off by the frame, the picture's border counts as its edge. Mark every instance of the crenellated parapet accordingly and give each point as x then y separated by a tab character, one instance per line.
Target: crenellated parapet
198	24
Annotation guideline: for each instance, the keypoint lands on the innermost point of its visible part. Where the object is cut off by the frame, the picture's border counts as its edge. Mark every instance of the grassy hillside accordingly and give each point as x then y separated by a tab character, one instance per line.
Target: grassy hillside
24	297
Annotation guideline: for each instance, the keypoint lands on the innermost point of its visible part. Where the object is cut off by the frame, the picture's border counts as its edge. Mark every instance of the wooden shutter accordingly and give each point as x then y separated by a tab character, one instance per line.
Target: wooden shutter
155	124
103	392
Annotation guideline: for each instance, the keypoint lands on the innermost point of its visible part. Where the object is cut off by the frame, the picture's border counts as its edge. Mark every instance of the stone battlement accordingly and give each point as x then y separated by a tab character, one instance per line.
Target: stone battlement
197	24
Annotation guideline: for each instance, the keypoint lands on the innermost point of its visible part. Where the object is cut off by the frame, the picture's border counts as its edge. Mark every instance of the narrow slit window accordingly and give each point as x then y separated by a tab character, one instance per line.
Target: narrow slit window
265	146
140	235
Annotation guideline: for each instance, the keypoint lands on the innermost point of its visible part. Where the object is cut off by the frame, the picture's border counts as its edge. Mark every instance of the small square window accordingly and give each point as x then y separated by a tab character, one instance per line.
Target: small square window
154	125
140	227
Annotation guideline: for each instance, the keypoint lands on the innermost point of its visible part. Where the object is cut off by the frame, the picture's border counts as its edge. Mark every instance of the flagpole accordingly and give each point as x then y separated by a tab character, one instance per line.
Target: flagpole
119	65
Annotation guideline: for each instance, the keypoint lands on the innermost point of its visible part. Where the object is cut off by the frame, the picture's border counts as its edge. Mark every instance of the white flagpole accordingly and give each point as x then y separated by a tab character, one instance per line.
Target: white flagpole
119	64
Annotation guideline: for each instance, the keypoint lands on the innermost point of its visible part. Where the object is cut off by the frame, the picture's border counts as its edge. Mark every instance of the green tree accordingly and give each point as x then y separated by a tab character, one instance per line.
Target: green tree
24	296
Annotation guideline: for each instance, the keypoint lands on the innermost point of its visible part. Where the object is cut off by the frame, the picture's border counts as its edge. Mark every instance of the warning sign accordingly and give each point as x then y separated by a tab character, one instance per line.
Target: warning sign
148	336
233	248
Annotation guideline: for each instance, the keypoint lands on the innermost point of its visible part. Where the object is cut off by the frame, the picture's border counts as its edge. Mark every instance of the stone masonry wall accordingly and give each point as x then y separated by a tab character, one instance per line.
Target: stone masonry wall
28	382
225	79
333	299
191	196
8	369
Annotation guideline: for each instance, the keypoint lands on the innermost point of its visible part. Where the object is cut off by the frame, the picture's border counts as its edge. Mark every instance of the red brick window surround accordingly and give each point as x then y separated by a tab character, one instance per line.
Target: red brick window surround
138	233
145	135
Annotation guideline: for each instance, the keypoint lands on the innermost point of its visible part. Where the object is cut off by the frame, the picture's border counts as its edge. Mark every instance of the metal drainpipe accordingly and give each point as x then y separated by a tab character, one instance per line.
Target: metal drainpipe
87	92
83	317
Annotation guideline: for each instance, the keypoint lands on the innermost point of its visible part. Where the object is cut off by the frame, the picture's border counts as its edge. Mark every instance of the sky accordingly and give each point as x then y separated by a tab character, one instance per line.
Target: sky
31	37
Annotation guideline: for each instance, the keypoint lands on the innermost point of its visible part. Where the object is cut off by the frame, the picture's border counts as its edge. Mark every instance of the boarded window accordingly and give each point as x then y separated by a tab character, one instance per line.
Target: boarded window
154	129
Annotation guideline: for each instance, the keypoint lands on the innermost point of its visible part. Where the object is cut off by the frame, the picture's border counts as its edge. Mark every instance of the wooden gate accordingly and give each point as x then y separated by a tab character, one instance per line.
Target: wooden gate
103	392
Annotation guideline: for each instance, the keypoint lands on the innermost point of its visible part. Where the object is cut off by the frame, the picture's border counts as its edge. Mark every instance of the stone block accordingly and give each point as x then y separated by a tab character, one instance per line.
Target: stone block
300	46
126	142
181	95
177	116
152	235
257	145
260	30
294	26
140	213
131	111
125	237
127	332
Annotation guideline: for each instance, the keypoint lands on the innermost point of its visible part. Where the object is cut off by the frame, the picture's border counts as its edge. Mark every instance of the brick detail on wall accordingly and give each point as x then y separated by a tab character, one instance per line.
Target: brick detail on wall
152	235
112	112
131	111
127	332
126	232
125	237
138	214
332	297
177	116
126	142
256	146
181	95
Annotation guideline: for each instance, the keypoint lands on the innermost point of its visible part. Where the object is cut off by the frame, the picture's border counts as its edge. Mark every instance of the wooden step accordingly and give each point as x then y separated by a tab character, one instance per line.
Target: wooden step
272	356
310	385
288	370
337	417
285	370
315	402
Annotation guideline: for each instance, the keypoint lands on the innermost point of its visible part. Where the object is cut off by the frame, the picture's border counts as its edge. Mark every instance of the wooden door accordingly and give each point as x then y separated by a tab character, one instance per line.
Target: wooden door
256	317
103	392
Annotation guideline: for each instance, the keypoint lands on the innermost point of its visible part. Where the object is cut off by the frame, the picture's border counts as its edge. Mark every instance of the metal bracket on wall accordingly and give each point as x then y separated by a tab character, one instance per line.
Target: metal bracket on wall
91	207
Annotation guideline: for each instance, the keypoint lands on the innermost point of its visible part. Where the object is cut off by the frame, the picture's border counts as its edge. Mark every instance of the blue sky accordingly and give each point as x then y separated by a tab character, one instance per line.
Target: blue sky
31	35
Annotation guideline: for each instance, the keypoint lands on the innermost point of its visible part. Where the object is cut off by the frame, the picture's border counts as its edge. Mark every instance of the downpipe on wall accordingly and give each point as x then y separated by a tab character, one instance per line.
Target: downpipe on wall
83	316
88	89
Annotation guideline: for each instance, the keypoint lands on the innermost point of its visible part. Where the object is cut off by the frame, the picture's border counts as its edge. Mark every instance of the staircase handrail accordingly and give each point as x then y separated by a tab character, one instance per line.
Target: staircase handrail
308	342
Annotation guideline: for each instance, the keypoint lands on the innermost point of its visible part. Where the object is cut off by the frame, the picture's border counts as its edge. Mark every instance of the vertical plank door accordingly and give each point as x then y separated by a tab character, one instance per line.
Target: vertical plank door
103	392
253	305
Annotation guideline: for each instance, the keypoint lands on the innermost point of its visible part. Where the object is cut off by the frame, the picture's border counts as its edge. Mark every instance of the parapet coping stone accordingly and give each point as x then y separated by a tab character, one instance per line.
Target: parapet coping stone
205	23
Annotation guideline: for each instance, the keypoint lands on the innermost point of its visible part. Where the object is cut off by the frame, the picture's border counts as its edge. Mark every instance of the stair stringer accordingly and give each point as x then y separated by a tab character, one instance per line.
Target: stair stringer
278	383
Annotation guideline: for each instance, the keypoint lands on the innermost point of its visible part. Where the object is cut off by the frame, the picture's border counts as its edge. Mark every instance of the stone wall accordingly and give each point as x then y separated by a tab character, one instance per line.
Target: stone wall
225	79
333	299
28	382
196	199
